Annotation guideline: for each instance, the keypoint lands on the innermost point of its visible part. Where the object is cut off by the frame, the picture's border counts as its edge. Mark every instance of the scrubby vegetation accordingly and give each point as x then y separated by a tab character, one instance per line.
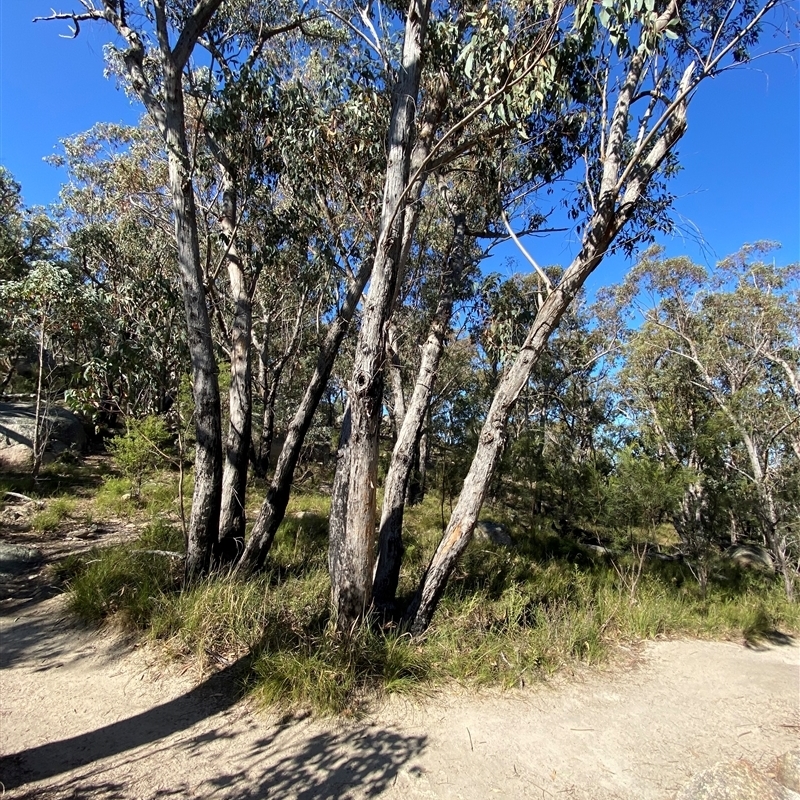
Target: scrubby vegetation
510	616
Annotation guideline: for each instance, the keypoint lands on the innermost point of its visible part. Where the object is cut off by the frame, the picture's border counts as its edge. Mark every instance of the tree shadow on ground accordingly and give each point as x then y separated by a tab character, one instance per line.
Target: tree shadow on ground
328	765
54	758
290	761
763	639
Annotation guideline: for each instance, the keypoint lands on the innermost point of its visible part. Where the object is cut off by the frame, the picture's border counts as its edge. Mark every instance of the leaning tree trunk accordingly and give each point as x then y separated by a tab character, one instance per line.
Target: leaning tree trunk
490	447
270	375
352	587
390	536
237	448
273	508
616	203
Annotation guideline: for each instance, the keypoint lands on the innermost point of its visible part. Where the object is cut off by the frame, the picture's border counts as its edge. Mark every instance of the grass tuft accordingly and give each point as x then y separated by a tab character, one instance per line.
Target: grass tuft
57	512
127	583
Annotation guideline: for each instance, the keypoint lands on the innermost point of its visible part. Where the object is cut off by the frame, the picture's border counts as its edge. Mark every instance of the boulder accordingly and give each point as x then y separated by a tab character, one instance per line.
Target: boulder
752	556
64	430
16	558
487	531
787	770
736	781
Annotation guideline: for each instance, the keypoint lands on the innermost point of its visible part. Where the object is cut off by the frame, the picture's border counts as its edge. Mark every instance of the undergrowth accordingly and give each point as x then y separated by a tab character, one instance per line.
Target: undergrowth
508	617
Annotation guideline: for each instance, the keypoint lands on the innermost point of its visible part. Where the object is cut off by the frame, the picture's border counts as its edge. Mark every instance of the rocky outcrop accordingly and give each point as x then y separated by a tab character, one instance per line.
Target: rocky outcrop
63	429
752	556
493	532
16	558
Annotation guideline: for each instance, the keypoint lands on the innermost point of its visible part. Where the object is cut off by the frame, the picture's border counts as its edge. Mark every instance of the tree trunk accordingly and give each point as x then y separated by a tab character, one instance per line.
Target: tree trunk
390	537
39	438
273	508
490	447
616	203
398	404
270	395
237	449
352	591
204	519
341	481
270	378
691	524
419	482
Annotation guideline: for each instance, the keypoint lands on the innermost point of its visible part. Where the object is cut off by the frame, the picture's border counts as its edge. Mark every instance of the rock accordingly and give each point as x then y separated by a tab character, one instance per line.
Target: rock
751	555
493	532
736	781
16	558
787	770
17	428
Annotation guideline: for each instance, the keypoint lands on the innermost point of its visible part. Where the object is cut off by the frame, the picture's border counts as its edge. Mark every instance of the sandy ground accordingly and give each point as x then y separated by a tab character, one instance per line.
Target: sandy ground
86	715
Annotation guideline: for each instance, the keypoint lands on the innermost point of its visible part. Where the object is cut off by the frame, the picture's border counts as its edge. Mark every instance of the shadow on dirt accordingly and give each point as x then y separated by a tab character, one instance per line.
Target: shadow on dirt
285	763
48	760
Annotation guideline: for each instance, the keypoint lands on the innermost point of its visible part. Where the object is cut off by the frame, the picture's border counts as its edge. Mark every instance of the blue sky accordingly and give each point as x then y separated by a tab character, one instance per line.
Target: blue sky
741	155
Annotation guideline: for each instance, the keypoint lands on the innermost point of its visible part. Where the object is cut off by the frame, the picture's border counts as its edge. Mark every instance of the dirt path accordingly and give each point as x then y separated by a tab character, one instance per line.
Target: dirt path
85	715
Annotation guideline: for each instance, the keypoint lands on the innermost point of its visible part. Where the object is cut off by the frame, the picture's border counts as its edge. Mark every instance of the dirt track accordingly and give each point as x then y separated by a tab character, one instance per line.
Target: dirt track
86	715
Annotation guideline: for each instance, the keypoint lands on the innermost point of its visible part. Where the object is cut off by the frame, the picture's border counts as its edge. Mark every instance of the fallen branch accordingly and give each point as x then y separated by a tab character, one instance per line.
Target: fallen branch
167	553
20	496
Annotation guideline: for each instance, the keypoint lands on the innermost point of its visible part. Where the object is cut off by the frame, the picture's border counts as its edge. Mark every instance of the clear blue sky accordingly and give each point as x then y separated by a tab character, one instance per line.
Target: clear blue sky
741	155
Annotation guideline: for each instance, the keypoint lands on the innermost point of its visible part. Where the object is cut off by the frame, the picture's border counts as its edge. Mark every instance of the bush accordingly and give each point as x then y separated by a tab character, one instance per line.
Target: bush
141	449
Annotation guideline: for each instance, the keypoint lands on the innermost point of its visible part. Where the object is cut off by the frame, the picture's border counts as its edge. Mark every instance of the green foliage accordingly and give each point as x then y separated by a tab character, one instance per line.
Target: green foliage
141	449
509	617
641	491
114	497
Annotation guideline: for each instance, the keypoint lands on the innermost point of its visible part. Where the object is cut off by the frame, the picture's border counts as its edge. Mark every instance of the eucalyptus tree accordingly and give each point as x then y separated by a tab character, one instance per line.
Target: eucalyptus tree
332	159
652	54
447	284
48	304
26	236
730	350
678	423
435	118
114	221
235	103
157	39
559	425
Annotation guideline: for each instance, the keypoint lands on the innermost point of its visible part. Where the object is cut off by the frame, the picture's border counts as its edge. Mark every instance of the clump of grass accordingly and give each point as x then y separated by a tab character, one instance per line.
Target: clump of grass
157	496
332	673
128	583
50	518
283	627
113	498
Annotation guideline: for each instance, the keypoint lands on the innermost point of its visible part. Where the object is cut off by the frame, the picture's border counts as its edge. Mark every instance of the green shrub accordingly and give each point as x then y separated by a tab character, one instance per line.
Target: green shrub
141	449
